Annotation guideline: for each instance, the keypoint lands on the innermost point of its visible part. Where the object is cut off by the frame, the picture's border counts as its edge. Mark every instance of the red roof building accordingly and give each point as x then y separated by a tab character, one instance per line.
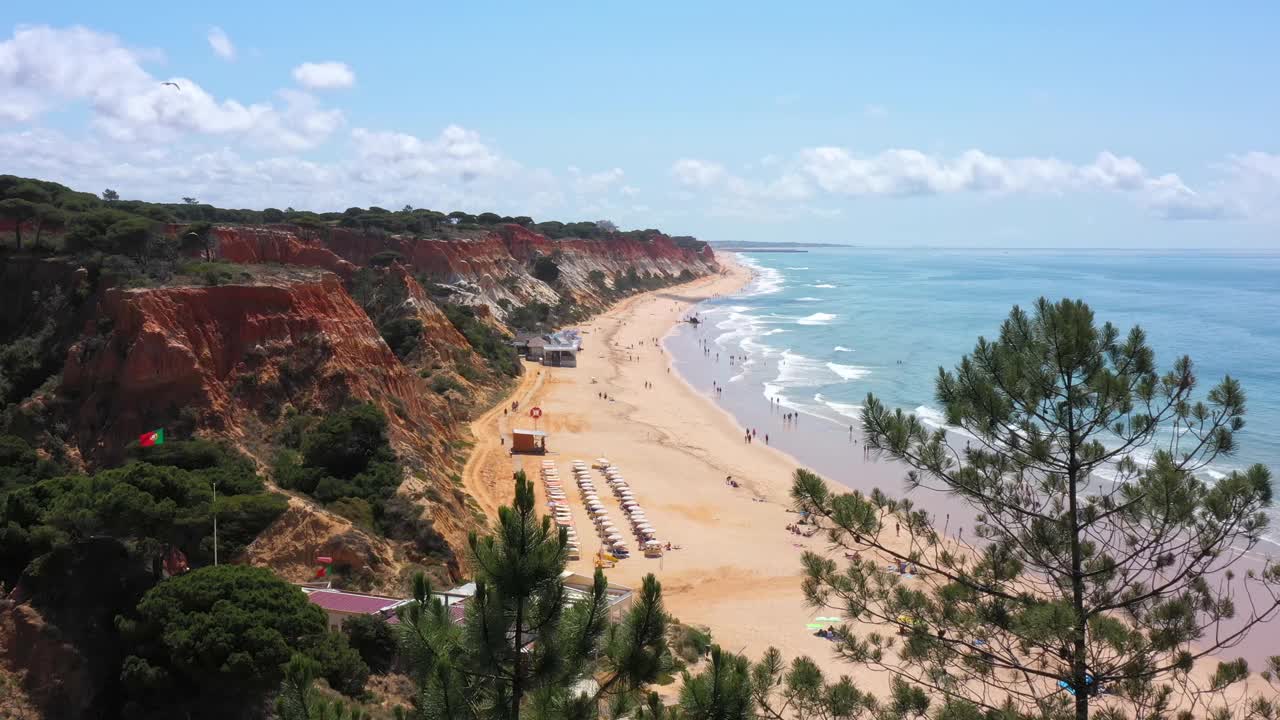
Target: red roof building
340	604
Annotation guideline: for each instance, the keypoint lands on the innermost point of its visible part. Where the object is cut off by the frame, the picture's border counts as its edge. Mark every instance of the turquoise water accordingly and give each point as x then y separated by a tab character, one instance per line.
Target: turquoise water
820	330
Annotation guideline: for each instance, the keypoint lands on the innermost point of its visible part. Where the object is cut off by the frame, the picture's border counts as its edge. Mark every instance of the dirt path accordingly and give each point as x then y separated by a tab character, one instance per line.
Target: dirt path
487	474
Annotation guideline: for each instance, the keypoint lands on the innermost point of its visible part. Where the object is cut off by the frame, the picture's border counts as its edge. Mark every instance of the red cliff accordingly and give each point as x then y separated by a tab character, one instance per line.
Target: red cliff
225	359
276	244
492	265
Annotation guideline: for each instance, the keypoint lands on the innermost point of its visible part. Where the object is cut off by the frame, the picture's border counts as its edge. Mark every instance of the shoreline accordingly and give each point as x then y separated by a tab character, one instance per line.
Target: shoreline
828	450
738	569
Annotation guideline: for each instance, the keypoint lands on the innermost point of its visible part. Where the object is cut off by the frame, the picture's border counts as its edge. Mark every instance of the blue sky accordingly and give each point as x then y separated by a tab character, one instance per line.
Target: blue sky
961	124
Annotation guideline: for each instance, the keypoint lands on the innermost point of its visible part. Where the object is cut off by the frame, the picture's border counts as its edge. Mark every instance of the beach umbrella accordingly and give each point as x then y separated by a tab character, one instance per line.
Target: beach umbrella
616	537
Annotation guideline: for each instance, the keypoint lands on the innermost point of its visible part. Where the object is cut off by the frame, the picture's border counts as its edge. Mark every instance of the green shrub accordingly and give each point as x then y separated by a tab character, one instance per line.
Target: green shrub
486	341
402	335
469	372
343	457
357	510
214	273
444	383
340	664
546	270
375	640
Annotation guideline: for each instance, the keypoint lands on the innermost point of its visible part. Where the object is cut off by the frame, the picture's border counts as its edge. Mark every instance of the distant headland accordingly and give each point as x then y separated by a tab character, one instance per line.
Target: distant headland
770	247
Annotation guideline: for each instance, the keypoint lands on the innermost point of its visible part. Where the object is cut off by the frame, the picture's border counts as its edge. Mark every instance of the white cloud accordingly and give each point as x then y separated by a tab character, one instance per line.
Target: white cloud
875	111
594	183
44	68
456	152
324	75
453	170
911	172
1250	188
698	173
153	141
221	44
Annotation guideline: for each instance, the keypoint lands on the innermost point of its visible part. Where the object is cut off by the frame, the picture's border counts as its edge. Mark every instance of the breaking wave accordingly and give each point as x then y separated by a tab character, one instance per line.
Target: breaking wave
817	319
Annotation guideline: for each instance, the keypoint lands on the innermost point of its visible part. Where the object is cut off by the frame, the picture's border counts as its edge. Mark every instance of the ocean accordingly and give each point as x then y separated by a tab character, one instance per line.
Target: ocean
819	330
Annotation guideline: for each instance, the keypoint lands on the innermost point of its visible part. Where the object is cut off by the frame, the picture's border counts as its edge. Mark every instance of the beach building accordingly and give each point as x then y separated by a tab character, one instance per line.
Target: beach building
528	441
557	349
560	355
577	587
529	346
339	605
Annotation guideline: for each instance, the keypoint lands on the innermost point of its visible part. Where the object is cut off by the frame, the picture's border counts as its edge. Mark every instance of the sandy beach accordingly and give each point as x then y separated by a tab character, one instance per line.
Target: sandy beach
737	569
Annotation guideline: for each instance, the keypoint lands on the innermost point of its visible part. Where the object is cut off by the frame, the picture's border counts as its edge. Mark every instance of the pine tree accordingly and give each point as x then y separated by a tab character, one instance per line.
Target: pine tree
298	699
1096	578
523	644
722	691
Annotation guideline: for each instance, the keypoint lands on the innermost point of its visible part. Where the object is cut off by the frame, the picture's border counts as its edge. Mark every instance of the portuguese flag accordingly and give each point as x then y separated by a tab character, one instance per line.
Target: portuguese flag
151	439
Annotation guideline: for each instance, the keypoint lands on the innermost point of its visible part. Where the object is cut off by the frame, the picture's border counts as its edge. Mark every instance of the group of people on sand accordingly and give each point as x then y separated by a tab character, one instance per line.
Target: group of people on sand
906	568
751	435
728	480
829	633
602	395
794	529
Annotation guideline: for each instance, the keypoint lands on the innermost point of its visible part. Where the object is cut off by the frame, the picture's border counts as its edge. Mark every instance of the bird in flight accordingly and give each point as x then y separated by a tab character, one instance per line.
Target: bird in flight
173	84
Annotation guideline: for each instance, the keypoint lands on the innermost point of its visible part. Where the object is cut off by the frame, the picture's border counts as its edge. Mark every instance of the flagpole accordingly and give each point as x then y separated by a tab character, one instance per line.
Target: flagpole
214	508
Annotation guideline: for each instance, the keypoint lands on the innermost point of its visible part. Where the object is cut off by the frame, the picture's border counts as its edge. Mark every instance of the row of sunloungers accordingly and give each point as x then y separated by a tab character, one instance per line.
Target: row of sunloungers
559	506
646	536
612	540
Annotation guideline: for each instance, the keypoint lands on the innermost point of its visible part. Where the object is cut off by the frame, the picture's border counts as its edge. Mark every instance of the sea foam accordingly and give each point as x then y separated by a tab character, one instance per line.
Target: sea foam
817	319
849	372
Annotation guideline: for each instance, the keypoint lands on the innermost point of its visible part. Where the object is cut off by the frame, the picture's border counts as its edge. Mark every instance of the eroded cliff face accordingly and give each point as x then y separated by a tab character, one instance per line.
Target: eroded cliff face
284	244
228	361
224	360
484	267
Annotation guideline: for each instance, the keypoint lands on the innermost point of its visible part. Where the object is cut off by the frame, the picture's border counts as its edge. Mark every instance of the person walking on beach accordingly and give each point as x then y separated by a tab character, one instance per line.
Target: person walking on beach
766	438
